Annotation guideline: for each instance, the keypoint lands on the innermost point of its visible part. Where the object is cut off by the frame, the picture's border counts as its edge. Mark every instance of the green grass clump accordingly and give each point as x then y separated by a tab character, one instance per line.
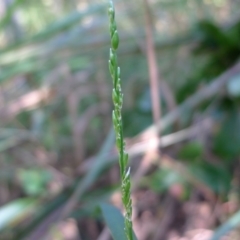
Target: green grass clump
118	125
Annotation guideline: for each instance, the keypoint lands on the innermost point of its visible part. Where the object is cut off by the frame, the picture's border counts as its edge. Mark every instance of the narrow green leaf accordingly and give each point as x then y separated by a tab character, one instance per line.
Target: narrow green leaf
15	211
225	228
114	221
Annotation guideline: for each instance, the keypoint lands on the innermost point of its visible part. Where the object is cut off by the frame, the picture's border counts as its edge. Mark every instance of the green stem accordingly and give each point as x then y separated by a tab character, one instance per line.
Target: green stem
117	97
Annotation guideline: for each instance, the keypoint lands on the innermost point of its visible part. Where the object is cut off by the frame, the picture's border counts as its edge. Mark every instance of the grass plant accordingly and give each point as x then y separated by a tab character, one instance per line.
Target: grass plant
117	98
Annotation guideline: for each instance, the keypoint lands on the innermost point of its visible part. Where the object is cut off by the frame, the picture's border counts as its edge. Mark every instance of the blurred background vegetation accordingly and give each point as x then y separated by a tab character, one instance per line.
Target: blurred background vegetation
57	155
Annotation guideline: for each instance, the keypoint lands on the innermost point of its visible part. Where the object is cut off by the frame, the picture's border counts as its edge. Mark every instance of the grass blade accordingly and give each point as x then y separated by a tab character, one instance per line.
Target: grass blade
114	221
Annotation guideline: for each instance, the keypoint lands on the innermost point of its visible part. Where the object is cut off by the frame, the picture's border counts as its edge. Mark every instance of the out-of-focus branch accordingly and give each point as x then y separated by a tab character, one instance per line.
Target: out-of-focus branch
80	127
29	101
145	140
45	94
152	65
152	144
215	87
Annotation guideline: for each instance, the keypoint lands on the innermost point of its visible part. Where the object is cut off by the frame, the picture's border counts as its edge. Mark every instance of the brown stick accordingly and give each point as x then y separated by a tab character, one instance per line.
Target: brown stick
152	65
216	86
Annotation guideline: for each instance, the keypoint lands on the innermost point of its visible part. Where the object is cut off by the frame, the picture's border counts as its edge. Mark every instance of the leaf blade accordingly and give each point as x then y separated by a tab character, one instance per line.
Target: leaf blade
114	221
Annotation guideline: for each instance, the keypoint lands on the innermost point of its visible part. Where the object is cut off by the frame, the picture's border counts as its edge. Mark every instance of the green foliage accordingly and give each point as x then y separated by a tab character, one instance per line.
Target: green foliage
8	15
217	178
163	179
62	47
223	45
227	140
221	49
192	151
34	181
